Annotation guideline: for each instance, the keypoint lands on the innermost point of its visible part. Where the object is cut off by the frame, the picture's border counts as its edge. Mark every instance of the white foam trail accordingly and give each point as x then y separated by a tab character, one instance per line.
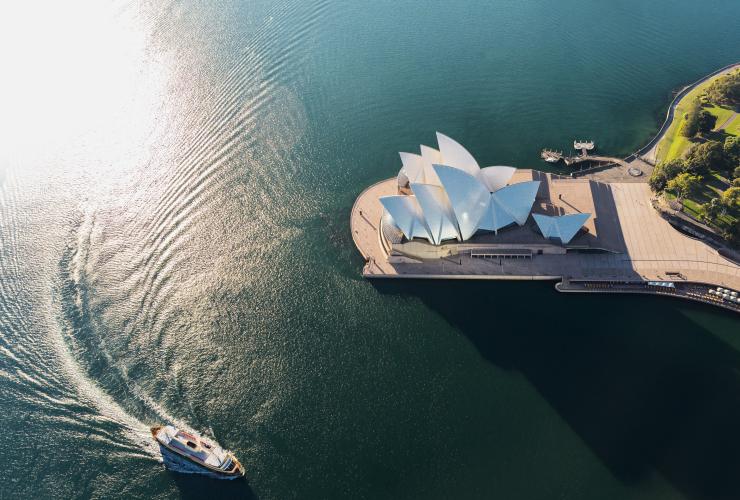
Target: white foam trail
137	431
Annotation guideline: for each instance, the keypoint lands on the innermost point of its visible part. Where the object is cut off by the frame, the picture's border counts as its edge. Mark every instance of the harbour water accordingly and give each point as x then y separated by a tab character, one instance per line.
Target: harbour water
175	188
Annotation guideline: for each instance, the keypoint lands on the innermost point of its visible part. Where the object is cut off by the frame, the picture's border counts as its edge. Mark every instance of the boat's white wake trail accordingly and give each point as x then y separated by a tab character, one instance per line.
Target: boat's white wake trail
136	431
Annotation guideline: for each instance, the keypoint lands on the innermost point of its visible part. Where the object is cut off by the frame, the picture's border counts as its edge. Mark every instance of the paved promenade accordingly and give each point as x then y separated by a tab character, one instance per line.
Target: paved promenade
620	171
653	249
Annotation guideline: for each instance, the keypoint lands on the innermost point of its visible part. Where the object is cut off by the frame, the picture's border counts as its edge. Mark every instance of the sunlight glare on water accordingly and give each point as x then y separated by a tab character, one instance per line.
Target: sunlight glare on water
73	78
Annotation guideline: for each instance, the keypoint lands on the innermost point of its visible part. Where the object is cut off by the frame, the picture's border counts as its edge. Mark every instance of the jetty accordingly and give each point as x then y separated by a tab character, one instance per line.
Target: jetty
631	168
584	146
553	156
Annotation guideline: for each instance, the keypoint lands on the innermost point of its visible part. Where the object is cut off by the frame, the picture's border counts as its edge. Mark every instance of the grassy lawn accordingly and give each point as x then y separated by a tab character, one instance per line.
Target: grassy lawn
734	127
722	114
713	186
674	145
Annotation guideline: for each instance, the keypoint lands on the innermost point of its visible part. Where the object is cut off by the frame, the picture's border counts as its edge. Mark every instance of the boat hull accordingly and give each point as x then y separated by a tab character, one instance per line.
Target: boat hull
178	462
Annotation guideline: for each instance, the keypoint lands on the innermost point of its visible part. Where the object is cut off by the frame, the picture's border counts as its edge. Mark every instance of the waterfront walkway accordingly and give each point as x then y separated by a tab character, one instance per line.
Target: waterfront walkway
650	150
617	170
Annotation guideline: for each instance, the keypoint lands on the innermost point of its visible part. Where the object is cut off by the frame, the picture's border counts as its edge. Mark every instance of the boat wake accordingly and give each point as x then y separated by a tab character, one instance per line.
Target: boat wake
102	379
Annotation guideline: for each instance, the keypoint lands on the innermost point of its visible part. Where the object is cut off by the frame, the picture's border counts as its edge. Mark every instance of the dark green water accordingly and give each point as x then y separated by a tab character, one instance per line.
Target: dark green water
175	187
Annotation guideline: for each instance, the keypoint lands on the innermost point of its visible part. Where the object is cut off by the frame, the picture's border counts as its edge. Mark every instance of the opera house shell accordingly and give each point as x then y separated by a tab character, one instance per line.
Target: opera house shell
452	198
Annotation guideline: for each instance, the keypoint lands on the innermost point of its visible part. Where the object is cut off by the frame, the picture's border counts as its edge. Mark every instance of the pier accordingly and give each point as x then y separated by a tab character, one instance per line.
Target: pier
603	168
584	146
552	156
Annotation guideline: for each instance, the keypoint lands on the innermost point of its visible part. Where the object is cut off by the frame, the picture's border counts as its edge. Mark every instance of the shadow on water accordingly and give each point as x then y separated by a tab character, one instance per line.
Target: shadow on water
642	386
198	487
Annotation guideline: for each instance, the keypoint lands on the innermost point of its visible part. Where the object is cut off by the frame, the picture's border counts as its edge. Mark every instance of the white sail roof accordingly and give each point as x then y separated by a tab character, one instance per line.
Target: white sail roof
407	215
438	212
495	178
454	197
453	154
517	199
563	227
413	166
390	230
430	156
495	216
468	197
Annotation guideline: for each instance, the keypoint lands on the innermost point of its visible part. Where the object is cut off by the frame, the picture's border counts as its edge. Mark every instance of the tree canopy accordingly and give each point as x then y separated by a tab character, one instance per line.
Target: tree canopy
684	184
664	172
698	120
731	198
726	90
691	125
731	149
705	156
706	121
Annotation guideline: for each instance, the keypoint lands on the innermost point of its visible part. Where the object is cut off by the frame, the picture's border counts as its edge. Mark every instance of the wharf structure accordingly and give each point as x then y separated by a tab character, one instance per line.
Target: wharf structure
443	217
585	147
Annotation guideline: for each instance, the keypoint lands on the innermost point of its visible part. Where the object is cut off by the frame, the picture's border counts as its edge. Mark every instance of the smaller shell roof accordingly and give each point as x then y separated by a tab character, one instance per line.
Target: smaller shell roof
563	227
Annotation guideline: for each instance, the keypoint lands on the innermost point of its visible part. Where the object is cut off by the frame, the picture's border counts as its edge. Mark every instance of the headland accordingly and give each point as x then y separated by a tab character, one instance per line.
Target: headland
625	246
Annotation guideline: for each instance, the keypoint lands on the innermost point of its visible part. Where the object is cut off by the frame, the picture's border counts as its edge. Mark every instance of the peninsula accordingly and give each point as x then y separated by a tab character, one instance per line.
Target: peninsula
444	217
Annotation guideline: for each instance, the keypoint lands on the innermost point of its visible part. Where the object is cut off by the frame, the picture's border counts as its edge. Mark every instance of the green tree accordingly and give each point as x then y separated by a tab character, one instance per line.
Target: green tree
730	199
691	124
712	209
731	149
663	172
732	234
706	121
726	90
684	184
704	157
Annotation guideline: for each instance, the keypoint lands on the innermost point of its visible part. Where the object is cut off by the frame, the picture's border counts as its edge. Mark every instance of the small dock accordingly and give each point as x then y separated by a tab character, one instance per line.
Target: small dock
553	156
584	146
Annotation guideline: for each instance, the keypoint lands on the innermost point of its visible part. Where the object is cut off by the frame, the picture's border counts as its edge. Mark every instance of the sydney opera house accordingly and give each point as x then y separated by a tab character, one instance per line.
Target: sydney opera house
444	197
444	217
